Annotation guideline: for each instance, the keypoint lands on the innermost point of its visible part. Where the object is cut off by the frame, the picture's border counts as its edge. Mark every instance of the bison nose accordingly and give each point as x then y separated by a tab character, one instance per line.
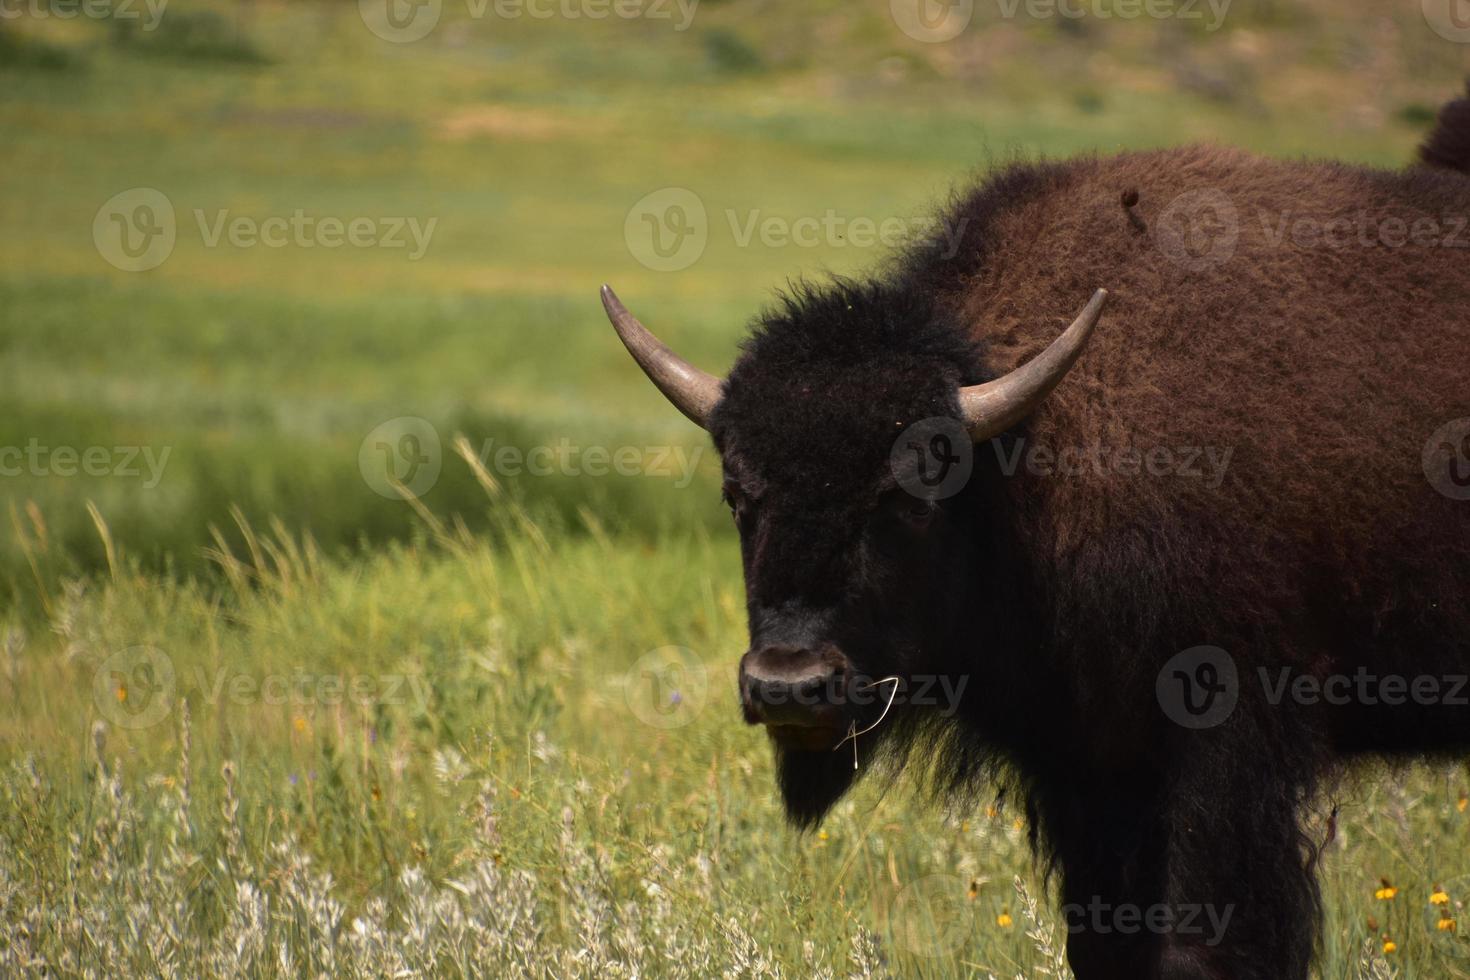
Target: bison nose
786	685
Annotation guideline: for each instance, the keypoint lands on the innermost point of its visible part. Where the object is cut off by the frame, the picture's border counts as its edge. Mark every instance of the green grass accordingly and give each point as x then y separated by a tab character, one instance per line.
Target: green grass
509	719
516	622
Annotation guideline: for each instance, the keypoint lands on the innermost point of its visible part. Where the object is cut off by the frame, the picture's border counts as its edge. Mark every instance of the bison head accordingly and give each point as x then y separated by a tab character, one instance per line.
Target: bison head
835	429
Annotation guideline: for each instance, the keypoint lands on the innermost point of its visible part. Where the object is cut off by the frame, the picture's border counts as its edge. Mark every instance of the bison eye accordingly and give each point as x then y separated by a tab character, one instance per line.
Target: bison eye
920	511
735	500
910	510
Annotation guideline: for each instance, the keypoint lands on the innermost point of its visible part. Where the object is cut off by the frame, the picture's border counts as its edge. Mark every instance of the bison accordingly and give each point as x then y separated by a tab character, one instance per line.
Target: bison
1175	568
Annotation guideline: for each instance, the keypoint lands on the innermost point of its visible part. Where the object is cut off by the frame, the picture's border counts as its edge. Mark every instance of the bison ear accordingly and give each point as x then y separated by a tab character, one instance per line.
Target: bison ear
991	408
691	390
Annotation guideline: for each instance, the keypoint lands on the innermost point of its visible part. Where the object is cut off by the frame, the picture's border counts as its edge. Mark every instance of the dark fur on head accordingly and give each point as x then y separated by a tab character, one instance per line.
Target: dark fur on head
852	365
1449	145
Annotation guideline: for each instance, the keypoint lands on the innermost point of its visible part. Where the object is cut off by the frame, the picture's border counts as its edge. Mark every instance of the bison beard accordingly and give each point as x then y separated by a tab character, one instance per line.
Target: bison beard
812	781
1324	550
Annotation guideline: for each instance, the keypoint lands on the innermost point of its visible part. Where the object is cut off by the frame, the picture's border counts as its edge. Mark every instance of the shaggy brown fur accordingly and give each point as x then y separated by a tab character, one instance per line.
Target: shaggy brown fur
1323	365
1324	370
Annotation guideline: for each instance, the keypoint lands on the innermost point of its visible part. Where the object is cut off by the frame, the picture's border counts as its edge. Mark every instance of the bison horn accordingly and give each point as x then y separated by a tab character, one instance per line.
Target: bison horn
991	408
691	390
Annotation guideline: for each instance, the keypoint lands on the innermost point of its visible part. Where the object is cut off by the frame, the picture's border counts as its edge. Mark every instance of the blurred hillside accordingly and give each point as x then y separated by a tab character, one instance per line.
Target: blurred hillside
523	147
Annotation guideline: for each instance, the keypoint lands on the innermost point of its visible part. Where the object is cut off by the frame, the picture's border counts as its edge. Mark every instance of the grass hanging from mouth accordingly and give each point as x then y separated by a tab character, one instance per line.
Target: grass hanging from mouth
851	728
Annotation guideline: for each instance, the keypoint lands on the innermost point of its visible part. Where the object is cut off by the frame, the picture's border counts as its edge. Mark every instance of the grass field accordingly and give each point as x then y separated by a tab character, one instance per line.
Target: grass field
265	717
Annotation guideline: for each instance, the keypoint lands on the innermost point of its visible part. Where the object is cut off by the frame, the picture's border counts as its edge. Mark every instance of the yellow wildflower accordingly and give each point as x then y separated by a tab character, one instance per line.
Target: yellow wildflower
1389	946
1004	919
1439	896
1386	892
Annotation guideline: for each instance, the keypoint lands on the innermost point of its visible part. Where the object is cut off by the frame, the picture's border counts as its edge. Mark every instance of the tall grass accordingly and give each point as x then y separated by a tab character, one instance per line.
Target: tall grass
504	796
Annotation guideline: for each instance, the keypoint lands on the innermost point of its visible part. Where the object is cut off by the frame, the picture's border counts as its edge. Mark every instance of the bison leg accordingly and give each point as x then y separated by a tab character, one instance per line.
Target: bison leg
1166	883
1106	845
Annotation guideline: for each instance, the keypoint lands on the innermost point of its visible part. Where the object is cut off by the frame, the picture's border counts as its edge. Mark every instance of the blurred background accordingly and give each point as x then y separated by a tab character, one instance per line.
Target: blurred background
535	146
304	383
